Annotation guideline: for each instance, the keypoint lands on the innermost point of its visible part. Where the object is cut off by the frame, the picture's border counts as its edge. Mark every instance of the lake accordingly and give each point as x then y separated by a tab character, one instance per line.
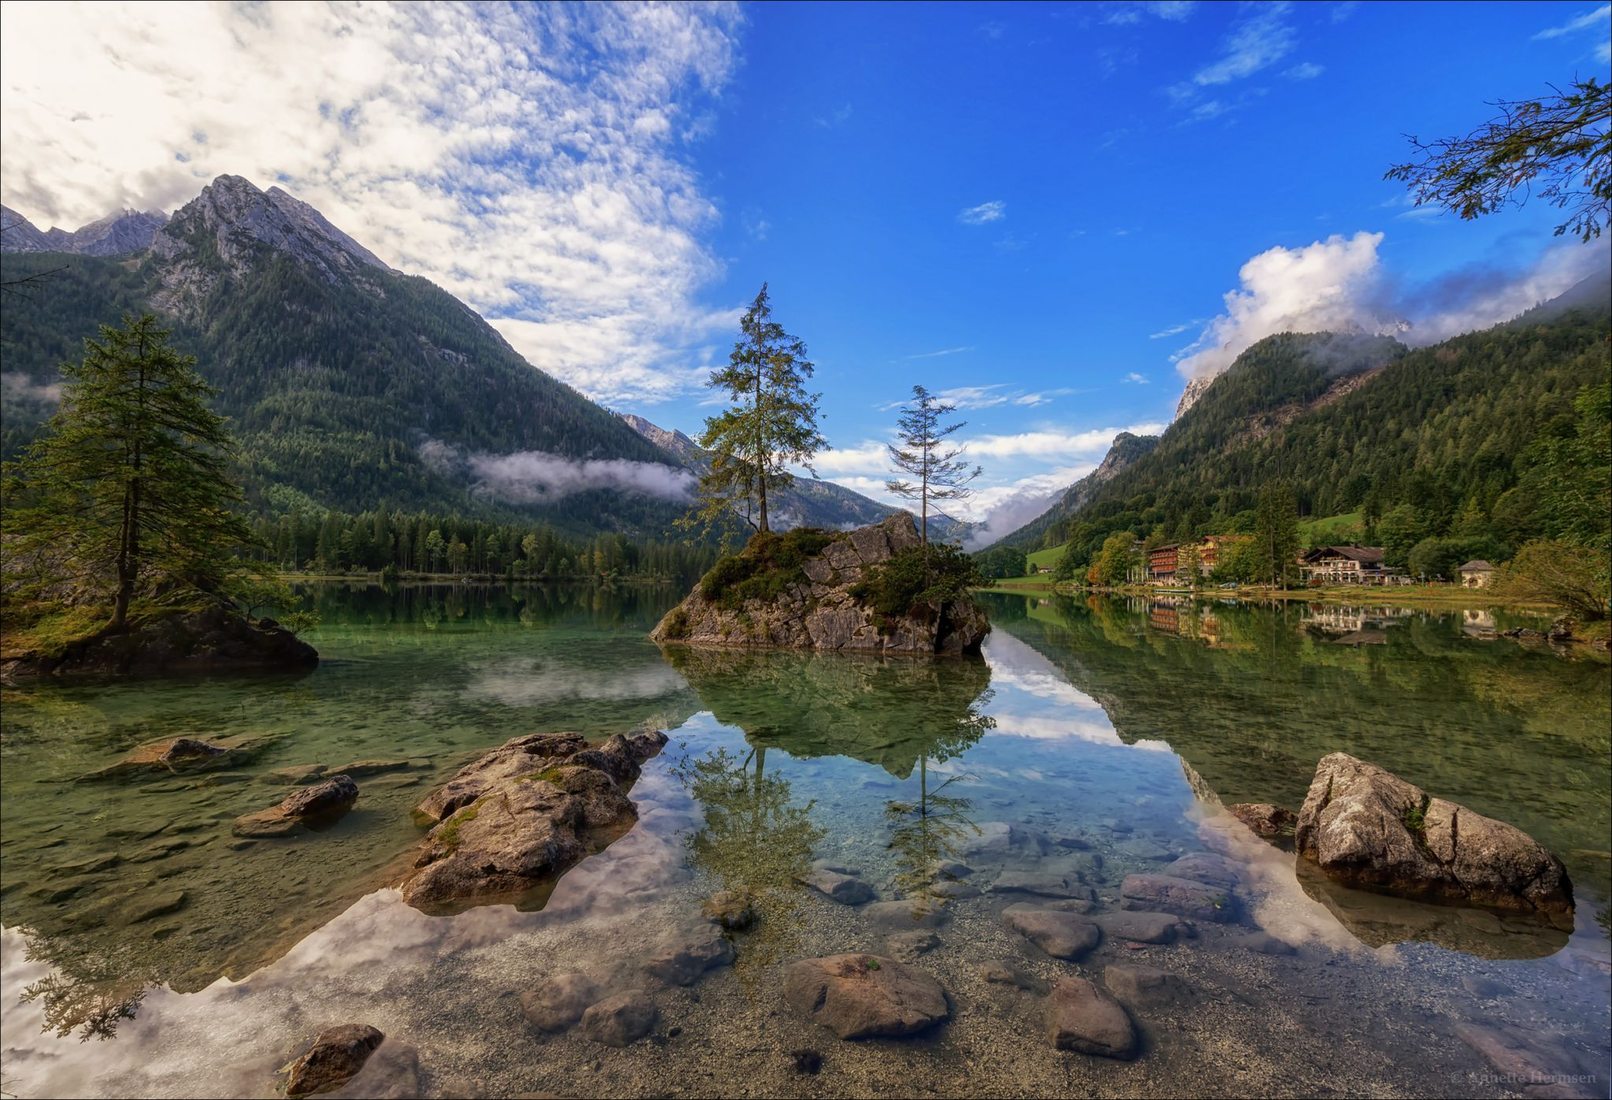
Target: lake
148	952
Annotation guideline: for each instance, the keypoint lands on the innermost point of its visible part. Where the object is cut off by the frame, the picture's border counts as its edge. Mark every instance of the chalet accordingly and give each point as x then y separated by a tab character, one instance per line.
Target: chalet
1343	565
1476	573
1161	563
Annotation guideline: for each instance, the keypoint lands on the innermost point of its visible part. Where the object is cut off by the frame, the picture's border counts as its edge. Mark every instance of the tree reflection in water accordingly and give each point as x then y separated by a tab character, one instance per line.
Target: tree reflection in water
755	841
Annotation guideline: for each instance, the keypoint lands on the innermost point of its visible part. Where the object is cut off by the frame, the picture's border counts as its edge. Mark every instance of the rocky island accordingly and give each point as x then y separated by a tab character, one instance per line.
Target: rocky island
868	590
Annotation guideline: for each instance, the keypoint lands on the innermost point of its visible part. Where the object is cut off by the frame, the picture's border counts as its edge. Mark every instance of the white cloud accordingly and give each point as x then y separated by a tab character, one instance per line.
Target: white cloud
1260	40
939	354
1590	20
1305	70
984	213
528	159
1129	13
987	397
1135	379
1174	330
1340	285
537	477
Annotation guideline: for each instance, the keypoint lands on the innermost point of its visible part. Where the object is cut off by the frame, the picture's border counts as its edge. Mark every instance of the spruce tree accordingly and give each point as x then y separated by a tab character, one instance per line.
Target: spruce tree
937	469
127	495
770	425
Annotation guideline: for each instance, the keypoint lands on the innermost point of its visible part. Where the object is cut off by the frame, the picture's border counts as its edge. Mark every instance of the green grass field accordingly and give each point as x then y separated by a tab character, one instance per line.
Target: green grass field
1332	530
1044	558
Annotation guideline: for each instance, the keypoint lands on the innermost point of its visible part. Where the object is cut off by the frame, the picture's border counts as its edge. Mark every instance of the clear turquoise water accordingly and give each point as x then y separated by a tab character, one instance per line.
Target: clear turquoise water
1122	725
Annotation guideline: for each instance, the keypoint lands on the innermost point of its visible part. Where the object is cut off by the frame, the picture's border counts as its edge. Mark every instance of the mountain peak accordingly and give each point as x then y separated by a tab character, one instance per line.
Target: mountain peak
239	219
118	234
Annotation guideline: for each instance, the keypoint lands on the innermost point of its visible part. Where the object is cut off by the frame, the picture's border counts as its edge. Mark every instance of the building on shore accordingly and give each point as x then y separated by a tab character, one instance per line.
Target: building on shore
1162	562
1476	573
1345	565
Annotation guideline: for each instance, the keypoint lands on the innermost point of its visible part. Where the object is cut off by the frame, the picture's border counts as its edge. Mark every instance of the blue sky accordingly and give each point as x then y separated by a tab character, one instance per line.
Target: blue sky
1040	208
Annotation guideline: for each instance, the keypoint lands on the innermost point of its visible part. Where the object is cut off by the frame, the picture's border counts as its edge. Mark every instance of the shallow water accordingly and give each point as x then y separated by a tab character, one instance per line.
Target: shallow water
204	961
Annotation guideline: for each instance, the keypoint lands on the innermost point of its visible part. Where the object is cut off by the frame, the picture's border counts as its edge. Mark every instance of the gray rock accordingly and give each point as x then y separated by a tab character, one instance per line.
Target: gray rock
547	804
821	612
952	890
304	808
1140	927
1364	826
682	960
906	914
1142	848
1208	868
845	889
620	1020
294	775
1168	894
1540	1063
375	767
1061	935
1268	822
151	906
952	869
560	1001
331	1060
1083	1018
865	996
1145	985
1038	883
907	946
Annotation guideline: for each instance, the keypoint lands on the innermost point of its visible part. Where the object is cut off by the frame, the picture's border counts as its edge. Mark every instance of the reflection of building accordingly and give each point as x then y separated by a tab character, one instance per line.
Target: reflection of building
1161	563
1163	616
1354	625
1344	565
1478	624
1476	573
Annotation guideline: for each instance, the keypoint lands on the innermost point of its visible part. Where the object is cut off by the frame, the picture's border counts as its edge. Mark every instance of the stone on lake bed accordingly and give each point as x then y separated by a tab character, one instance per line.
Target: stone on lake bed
1364	826
1145	984
865	996
1168	894
1083	1018
334	1058
168	754
1061	935
734	910
952	869
907	946
376	767
559	1002
1141	848
1266	820
906	913
1263	943
684	958
950	888
306	807
1206	867
1546	1065
1141	927
1006	972
1039	883
620	1020
845	889
293	776
152	906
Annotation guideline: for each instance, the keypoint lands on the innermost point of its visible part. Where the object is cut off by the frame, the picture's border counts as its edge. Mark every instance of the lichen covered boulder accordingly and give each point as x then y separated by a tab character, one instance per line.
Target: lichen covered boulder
332	1059
305	808
801	590
212	640
509	824
1364	826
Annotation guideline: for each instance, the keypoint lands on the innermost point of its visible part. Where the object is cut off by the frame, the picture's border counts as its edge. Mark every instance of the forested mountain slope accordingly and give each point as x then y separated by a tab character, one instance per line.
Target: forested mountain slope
1361	423
343	378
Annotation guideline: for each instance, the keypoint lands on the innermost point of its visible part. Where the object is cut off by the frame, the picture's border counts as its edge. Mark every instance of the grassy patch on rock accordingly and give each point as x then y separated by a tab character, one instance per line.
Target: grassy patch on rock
765	568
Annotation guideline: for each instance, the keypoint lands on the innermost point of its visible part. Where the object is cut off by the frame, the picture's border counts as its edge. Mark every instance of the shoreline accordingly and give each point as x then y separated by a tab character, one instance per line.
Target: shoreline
1442	596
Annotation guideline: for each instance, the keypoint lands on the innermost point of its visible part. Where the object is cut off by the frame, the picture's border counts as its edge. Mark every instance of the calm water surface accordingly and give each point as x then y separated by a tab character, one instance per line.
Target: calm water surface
147	952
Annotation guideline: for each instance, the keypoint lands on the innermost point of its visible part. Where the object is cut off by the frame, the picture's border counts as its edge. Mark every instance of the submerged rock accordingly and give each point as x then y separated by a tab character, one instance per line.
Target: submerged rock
865	996
1041	884
1267	821
734	910
170	754
212	640
334	1058
1141	927
906	914
560	1001
307	807
907	946
1168	894
1145	984
683	959
815	606
1206	867
1007	972
620	1020
843	888
1363	826
511	822
1061	935
1083	1018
